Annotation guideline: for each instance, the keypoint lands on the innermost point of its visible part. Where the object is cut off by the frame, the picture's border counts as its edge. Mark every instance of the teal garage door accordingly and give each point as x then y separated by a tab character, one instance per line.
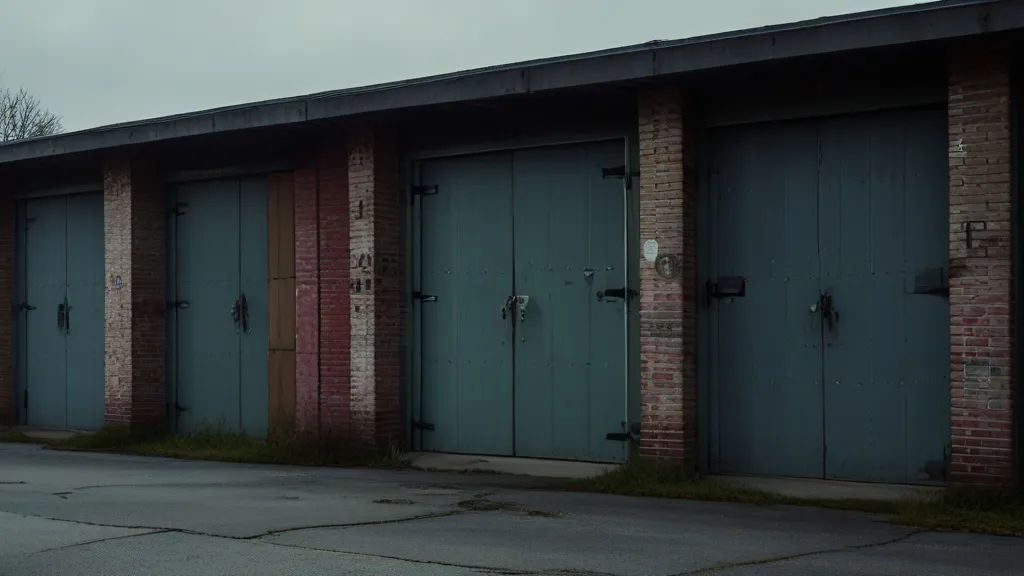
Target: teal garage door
61	320
521	304
827	318
217	331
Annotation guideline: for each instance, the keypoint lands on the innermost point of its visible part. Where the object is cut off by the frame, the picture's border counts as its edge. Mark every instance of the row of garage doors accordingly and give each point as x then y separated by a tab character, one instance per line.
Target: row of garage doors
824	345
217	308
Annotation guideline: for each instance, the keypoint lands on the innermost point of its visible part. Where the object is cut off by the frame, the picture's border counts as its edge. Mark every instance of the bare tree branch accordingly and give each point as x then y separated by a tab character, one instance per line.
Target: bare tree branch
22	116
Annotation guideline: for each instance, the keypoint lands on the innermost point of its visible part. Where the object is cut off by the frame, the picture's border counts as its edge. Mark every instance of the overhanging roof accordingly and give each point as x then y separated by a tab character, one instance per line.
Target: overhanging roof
916	23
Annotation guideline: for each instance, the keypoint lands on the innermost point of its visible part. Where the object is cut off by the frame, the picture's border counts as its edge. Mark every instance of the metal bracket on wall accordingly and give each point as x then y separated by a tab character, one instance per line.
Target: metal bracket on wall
422	190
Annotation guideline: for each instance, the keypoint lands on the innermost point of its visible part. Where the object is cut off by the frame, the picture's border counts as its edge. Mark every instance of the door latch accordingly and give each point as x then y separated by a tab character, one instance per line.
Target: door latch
829	315
521	302
61	314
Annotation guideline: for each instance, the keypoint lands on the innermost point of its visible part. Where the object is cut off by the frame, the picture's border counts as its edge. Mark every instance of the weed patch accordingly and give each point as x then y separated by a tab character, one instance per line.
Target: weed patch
960	509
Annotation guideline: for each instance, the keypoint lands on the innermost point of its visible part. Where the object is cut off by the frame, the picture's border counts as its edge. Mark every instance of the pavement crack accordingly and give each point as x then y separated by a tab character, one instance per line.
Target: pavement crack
786	557
99	540
166	529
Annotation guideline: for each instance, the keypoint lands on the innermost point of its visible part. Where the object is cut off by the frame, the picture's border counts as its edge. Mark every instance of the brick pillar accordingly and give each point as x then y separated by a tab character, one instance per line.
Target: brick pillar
980	252
377	285
307	297
134	230
668	311
7	225
322	299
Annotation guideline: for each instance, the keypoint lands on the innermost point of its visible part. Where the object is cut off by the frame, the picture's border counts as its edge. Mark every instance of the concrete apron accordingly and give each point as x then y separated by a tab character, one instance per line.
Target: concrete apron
503	465
789	487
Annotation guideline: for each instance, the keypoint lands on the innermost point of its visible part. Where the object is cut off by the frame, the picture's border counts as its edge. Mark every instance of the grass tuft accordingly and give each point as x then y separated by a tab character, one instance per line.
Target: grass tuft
979	510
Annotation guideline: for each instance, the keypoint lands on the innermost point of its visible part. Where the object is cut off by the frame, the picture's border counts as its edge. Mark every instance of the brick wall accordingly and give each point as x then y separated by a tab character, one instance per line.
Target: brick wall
980	265
668	313
134	333
7	224
377	285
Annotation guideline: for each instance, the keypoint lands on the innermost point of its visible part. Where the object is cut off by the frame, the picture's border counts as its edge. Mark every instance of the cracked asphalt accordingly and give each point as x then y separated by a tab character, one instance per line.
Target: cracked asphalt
77	513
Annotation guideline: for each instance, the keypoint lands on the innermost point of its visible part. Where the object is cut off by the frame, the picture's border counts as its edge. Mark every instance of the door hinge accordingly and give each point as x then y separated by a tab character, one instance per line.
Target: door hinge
424	297
179	304
422	190
417	425
179	209
619	173
632	434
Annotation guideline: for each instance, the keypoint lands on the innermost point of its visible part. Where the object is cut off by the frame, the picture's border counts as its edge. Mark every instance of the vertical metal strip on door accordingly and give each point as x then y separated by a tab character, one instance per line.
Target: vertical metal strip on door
254	379
84	316
466	349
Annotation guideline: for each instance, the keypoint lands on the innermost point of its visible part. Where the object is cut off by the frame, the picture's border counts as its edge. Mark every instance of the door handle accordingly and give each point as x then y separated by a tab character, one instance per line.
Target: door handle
236	315
829	315
245	314
60	316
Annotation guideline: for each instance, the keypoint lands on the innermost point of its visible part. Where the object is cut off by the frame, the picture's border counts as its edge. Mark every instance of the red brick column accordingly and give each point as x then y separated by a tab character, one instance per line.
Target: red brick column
668	311
980	253
134	231
377	285
307	297
7	225
322	299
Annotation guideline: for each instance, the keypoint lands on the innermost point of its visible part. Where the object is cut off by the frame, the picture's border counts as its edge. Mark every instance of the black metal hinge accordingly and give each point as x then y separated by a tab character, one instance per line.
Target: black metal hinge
178	209
632	434
179	304
619	173
422	190
424	297
417	425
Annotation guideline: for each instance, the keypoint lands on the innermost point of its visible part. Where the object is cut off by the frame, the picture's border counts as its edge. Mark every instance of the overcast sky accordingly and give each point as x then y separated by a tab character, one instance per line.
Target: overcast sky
102	61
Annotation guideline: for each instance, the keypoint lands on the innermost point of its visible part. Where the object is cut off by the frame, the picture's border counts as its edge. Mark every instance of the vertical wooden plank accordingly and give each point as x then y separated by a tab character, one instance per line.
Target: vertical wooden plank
281	299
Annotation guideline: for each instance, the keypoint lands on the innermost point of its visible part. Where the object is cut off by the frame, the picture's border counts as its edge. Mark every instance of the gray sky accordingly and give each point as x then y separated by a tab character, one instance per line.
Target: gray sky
102	61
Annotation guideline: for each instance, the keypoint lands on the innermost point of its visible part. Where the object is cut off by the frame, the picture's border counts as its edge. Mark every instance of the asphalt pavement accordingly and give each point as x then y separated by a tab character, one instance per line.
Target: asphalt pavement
87	514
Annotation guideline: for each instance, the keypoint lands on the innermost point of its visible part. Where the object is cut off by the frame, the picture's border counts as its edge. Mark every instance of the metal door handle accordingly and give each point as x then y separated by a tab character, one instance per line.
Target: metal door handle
829	315
245	314
236	312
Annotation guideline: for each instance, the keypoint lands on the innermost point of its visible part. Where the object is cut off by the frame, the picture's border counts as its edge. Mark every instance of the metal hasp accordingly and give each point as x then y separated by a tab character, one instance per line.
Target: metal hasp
932	282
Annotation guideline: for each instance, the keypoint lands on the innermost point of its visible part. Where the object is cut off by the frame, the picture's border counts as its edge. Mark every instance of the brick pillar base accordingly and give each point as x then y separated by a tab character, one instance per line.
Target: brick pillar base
981	378
134	224
668	312
377	303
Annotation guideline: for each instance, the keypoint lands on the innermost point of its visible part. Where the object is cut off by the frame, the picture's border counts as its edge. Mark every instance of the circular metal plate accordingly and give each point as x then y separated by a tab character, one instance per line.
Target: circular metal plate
668	266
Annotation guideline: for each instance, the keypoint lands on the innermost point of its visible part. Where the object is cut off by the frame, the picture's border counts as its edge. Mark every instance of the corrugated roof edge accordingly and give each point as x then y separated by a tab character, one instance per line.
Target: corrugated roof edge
512	78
